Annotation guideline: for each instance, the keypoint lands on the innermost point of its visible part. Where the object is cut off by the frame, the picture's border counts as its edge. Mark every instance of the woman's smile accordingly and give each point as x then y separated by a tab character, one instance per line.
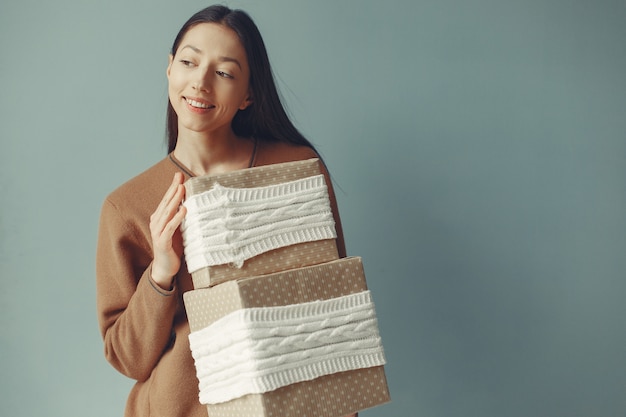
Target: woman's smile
198	105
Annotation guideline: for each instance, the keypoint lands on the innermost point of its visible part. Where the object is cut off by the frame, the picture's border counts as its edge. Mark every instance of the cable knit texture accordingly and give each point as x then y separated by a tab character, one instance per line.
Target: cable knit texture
231	225
257	350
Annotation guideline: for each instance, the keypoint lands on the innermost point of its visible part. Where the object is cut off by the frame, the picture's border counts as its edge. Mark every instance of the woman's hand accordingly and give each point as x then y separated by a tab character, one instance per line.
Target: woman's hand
167	241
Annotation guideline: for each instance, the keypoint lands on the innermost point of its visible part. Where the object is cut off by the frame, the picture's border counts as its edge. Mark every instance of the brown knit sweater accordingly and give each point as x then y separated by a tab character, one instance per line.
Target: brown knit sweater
145	328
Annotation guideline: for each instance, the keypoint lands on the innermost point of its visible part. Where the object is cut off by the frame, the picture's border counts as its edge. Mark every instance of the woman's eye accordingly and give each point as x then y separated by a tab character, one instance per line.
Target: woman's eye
186	63
224	74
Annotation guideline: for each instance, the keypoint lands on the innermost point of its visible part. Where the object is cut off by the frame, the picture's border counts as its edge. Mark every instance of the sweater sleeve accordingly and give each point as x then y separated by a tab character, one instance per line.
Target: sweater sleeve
135	315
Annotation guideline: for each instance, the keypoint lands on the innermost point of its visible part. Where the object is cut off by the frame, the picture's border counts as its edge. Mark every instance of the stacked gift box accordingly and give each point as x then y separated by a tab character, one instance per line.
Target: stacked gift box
280	326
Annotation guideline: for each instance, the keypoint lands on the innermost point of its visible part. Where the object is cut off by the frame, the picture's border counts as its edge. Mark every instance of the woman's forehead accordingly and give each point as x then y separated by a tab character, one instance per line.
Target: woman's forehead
212	38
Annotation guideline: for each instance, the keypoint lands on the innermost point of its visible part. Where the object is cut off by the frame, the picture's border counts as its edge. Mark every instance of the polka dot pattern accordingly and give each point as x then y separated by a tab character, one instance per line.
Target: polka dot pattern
330	396
207	305
282	259
318	282
260	176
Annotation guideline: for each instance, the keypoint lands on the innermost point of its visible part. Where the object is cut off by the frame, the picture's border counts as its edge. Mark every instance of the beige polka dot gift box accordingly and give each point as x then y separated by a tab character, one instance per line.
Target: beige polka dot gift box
279	325
302	342
256	221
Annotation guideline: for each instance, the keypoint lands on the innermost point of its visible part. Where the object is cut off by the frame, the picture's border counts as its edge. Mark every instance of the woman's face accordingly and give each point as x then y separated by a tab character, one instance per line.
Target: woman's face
208	79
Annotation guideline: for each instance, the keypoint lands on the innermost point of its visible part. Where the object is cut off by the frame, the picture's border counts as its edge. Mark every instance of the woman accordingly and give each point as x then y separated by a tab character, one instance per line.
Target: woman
224	114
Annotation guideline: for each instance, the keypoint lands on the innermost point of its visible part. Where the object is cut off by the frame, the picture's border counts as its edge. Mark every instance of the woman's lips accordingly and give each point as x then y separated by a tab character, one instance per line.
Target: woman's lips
197	104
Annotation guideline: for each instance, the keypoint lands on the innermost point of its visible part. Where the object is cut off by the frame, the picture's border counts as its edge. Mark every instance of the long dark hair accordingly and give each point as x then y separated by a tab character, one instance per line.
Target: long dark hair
265	119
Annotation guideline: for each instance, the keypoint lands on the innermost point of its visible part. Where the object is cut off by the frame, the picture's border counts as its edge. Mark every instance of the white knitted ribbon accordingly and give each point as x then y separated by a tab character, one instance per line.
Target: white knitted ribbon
230	225
257	350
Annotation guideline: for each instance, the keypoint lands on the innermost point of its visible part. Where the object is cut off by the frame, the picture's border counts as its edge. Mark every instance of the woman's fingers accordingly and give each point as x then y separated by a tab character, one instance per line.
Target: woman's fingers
171	194
164	228
173	214
172	207
168	206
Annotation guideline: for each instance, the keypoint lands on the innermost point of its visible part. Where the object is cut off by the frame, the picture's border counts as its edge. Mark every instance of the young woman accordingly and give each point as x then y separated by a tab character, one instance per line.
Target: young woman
224	114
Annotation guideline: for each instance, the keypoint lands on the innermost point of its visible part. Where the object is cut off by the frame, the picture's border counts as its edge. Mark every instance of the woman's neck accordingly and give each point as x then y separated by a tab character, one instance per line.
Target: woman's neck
212	154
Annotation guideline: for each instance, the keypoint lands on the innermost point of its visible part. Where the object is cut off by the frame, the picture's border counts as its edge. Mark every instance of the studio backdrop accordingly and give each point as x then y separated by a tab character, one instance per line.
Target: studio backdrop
477	149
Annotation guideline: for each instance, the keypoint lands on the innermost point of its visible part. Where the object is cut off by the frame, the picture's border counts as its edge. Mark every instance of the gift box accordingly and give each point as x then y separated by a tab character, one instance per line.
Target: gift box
314	325
258	220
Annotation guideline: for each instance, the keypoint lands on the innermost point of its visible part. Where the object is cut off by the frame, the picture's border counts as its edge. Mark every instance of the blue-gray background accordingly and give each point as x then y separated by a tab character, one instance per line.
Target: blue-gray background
478	149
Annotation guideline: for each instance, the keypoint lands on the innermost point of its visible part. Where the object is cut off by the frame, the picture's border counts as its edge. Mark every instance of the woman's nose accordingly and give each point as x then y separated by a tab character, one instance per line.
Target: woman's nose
201	83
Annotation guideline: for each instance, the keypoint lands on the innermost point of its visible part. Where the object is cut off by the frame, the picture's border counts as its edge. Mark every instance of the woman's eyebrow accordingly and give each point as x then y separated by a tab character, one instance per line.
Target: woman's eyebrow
221	58
193	48
229	59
